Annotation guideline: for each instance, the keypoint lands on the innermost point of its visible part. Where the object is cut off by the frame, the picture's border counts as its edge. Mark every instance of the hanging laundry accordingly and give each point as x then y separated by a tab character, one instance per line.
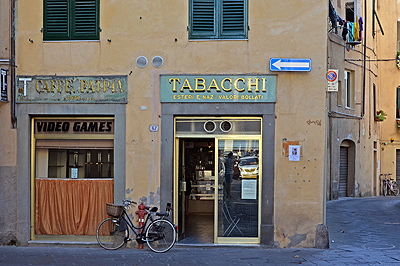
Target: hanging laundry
356	30
351	31
340	21
333	16
361	22
345	31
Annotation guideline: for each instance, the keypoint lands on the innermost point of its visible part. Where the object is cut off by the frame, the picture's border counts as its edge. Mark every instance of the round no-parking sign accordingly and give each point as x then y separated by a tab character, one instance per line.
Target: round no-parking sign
332	80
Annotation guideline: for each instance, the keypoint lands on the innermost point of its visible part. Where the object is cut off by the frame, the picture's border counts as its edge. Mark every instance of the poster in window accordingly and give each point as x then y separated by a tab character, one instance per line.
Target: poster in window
74	172
249	189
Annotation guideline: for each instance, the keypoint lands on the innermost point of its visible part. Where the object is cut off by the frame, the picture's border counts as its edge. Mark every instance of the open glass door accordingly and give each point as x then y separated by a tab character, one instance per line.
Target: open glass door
238	200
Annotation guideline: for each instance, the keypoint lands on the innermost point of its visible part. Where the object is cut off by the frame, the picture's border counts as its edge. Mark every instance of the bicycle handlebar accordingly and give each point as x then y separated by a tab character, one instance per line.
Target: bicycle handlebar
128	202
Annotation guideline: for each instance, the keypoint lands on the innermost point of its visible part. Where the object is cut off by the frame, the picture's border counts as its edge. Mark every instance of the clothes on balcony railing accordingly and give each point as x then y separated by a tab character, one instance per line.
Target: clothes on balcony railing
351	31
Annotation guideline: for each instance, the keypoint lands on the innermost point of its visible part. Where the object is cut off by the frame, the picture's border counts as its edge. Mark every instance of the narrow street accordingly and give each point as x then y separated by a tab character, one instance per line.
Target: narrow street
369	223
363	231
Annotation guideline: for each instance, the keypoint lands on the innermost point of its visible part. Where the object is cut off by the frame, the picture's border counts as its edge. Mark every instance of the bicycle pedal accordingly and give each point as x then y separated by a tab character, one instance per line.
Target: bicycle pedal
140	240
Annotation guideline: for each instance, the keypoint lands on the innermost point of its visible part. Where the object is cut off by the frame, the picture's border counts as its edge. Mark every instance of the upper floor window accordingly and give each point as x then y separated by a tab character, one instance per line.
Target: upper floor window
350	10
398	103
71	20
218	19
398	40
349	89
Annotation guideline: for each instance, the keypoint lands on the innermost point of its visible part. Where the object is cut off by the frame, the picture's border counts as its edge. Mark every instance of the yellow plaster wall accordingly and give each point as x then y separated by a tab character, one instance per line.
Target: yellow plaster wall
8	139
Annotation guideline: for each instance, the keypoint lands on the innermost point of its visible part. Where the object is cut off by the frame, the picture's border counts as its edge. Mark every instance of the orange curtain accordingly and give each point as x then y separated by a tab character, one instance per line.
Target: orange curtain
71	207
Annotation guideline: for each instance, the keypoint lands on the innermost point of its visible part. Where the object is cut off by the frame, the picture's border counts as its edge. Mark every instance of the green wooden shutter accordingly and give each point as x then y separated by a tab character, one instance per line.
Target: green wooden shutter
397	103
233	20
202	19
55	20
85	17
71	20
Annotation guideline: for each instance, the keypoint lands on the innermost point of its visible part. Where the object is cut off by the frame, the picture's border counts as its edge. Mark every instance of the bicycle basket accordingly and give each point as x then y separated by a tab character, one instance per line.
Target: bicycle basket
114	210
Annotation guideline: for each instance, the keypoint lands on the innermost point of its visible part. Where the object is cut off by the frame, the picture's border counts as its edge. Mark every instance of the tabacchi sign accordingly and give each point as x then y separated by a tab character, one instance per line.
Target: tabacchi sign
67	89
218	88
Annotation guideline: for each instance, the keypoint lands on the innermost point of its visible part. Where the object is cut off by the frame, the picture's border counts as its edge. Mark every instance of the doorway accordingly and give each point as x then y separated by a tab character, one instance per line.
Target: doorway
347	169
217	185
196	172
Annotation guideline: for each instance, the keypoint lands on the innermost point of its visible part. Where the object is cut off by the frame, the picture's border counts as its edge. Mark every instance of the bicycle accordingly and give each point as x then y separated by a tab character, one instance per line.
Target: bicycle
389	185
113	232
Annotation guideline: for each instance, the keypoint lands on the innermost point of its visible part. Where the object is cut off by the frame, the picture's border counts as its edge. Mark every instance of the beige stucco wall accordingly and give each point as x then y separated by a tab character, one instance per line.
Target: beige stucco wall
292	29
354	126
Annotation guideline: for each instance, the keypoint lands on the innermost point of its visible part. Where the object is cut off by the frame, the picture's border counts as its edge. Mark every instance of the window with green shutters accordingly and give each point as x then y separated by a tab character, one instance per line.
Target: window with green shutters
218	19
71	20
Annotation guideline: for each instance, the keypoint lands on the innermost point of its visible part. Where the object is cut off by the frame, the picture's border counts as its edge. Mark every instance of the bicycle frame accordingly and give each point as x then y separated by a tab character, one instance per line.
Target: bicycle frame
125	218
389	184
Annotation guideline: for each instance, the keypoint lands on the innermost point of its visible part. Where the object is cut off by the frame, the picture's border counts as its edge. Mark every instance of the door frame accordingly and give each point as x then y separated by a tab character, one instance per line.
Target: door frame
264	110
217	138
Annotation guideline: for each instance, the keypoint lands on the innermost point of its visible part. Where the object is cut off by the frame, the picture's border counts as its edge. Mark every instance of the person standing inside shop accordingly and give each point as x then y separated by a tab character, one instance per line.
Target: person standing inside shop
228	174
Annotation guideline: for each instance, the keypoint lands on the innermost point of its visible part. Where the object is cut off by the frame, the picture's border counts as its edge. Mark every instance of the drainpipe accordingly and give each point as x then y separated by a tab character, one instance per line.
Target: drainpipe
12	66
365	58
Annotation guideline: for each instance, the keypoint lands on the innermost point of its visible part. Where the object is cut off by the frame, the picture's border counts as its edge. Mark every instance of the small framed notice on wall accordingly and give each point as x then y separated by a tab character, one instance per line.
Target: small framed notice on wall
294	152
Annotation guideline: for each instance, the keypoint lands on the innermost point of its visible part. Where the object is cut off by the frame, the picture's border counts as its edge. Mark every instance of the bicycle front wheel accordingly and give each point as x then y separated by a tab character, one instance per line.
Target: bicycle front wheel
384	189
111	233
161	235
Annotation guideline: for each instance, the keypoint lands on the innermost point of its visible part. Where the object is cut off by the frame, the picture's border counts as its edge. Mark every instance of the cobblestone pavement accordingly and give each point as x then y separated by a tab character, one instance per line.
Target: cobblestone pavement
363	231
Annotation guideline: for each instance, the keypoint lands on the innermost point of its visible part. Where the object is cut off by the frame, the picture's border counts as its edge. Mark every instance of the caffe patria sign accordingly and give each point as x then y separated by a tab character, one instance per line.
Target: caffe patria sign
218	88
72	89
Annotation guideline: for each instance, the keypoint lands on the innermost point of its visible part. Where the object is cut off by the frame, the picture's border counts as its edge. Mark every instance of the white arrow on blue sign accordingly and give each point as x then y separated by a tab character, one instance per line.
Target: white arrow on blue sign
290	64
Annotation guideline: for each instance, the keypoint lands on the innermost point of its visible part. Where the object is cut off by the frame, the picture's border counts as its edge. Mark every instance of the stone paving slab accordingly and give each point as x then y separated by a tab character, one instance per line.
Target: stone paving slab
362	232
11	255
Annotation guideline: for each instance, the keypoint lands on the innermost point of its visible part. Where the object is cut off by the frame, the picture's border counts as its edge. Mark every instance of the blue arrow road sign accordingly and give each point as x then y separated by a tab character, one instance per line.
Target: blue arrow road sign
290	64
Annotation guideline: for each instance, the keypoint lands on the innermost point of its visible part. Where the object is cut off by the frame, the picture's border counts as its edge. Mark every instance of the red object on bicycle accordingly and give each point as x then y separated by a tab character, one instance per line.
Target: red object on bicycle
141	213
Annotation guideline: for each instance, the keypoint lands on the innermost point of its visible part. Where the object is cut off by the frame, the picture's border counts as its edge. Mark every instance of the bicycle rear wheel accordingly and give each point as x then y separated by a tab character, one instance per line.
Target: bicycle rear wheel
161	235
111	233
396	191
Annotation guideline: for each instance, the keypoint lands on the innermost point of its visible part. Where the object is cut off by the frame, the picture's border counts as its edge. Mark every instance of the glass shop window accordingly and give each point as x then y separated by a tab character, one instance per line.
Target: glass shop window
76	163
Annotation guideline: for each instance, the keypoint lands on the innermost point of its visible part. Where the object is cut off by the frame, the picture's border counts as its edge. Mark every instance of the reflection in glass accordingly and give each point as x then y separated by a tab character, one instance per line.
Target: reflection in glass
238	182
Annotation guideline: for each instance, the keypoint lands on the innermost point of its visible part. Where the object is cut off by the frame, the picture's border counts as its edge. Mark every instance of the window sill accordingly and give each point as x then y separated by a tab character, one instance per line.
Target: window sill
218	40
50	41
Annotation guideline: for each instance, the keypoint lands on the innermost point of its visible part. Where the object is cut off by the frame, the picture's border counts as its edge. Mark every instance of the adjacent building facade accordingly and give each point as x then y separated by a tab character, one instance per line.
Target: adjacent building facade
353	136
220	107
8	141
388	49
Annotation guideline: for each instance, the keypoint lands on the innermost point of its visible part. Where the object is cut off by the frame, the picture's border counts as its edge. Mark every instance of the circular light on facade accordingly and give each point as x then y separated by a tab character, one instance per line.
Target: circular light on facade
209	126
157	61
225	126
141	61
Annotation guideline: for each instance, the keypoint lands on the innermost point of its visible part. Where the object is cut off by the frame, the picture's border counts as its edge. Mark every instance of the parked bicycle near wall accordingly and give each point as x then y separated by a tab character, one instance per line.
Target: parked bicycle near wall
389	185
159	233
